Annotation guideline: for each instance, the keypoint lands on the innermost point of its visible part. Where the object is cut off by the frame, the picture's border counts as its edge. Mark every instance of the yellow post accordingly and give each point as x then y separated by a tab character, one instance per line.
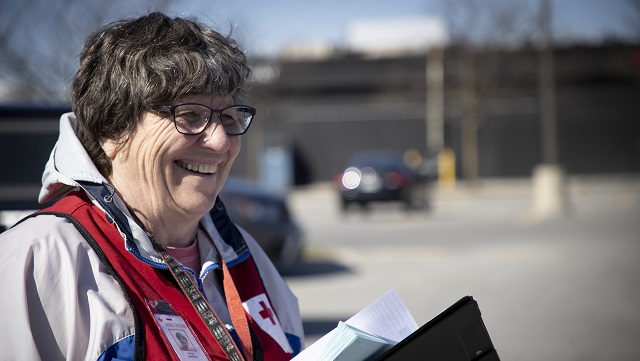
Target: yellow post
446	168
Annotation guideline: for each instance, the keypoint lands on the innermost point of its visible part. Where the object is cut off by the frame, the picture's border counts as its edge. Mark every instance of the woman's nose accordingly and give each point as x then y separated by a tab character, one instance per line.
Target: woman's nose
214	136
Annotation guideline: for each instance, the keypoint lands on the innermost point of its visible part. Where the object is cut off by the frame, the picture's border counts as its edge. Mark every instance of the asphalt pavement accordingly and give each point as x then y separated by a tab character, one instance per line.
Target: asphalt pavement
559	288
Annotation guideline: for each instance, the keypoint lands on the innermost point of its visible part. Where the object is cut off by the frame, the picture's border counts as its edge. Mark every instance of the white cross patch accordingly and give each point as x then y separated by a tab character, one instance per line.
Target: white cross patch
262	313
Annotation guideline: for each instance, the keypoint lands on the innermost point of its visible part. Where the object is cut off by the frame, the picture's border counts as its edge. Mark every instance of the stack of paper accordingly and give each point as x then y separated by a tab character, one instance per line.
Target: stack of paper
383	323
351	344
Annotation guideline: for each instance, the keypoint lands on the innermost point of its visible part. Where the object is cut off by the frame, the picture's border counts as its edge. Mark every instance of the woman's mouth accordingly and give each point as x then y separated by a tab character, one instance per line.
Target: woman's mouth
198	168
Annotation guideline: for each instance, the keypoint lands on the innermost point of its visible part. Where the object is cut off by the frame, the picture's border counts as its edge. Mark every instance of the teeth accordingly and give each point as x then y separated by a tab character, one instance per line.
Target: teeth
200	168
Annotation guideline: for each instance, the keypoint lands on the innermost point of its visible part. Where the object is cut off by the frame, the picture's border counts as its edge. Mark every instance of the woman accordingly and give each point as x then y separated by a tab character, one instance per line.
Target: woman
129	257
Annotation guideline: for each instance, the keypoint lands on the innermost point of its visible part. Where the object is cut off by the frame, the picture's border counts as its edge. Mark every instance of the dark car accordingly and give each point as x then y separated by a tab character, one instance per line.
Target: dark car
265	214
381	176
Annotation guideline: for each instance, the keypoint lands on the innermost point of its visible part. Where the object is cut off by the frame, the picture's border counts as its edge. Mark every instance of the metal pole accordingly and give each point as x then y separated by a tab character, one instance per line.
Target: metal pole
469	120
550	195
547	88
435	101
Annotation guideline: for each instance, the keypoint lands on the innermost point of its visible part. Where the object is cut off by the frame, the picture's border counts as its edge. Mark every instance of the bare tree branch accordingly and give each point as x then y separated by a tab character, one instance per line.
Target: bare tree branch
633	17
40	41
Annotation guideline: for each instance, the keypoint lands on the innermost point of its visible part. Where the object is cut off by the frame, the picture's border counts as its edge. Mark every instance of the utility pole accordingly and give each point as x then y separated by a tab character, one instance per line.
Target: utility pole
469	119
435	100
549	181
435	119
547	88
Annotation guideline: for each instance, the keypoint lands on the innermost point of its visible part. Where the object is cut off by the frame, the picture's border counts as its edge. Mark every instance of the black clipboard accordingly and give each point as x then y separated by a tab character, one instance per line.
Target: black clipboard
456	334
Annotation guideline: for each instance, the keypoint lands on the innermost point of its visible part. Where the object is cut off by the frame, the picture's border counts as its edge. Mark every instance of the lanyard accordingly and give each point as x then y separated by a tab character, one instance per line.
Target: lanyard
236	310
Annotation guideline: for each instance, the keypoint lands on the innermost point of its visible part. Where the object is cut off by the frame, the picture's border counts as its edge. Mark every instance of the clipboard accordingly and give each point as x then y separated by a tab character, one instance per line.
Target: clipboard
456	334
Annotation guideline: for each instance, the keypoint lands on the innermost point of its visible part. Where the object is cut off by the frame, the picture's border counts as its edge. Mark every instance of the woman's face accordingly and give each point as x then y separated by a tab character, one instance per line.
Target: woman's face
160	170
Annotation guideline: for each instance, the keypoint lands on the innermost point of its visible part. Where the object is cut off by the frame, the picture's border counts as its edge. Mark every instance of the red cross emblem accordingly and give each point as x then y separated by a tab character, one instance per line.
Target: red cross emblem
266	312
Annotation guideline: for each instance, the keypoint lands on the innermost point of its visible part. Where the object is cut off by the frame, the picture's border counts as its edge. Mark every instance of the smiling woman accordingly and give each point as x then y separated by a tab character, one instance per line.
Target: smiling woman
137	236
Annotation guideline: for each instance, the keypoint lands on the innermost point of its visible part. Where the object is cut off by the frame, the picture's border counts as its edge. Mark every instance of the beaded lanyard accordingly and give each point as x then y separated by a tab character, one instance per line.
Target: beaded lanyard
238	316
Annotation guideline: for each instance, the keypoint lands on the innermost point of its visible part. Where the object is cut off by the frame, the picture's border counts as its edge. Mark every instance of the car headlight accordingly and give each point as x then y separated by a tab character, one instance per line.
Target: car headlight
351	178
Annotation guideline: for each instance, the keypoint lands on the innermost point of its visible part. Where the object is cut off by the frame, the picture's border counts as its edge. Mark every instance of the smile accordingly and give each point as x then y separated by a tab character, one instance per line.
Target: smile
200	168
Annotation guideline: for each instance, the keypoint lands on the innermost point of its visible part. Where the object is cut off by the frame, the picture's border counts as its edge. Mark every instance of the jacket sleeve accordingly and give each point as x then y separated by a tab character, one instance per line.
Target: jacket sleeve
58	302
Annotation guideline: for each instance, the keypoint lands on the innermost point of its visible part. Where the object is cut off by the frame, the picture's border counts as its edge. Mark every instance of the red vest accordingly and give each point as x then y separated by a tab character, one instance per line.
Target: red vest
142	282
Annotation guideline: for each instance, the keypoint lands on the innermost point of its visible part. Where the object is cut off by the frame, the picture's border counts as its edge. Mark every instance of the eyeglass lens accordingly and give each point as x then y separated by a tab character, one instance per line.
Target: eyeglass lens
193	118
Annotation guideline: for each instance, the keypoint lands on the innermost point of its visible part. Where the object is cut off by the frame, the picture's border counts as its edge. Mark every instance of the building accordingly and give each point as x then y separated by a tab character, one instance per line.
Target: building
321	111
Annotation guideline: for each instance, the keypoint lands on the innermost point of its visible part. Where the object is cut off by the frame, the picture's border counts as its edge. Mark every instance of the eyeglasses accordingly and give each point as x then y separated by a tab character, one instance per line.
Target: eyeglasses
192	118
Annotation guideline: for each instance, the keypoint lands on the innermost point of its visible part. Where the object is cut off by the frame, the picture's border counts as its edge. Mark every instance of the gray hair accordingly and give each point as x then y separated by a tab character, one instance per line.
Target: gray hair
135	64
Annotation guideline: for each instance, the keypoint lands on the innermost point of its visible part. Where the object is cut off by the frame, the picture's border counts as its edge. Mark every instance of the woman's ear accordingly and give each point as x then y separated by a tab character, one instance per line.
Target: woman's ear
110	147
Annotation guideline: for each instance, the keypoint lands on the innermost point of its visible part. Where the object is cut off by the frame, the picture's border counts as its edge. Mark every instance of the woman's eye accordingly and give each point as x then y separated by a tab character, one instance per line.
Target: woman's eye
190	117
228	119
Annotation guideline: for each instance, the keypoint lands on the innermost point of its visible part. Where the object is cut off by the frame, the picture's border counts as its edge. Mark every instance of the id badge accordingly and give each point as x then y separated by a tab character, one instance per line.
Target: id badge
176	331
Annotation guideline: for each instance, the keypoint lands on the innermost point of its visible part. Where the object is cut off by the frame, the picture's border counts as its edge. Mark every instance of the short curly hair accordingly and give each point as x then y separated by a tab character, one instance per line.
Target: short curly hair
135	64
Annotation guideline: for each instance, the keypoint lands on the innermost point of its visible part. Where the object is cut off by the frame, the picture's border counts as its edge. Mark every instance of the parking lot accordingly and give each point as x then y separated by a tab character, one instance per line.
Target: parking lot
564	288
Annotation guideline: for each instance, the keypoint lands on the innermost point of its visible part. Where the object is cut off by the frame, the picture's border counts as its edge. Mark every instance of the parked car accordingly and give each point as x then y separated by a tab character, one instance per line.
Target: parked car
265	214
381	176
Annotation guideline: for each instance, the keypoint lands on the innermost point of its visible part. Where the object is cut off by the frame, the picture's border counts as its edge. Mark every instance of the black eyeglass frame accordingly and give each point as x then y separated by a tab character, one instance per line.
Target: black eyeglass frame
172	110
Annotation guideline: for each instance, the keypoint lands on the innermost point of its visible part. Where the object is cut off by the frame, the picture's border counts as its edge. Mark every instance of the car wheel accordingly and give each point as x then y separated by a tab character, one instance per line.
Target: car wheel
344	205
414	198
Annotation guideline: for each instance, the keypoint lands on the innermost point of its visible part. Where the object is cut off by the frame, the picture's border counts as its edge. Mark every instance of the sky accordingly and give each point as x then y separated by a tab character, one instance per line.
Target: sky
38	31
264	26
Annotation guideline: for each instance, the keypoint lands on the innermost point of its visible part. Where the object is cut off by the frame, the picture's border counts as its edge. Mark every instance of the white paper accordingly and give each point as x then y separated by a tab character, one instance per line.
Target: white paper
387	317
